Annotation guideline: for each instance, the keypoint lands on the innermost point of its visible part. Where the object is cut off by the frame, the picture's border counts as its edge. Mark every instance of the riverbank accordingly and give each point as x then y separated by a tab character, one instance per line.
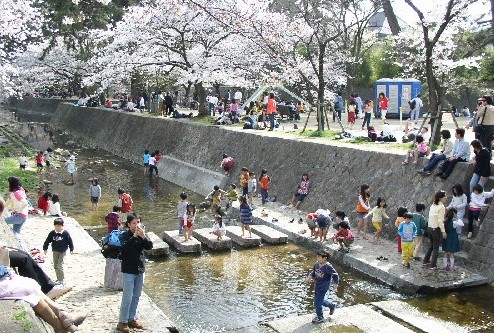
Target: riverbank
84	270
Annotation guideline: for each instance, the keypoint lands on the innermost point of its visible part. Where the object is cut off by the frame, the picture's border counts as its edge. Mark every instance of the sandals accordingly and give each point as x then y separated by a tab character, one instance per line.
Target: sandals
381	258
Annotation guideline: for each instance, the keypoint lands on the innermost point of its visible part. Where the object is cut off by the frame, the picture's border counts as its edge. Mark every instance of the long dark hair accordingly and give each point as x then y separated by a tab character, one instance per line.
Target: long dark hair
438	196
364	195
14	184
379	200
459	190
449	216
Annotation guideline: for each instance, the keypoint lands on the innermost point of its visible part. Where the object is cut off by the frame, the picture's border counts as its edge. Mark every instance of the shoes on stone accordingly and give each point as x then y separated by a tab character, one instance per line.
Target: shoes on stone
317	320
331	310
470	235
407	266
300	221
417	258
123	327
135	324
58	291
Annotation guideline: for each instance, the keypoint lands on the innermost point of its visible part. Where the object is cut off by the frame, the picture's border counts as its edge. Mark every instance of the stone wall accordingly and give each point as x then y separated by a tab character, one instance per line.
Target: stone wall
336	172
39	105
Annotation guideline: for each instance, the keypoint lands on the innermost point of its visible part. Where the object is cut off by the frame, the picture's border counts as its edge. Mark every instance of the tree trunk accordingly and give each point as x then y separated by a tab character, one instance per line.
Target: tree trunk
433	97
390	15
492	21
320	87
216	86
201	96
187	88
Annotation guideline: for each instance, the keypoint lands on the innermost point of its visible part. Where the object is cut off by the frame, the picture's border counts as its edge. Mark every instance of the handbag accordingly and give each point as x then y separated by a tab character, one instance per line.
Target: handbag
480	128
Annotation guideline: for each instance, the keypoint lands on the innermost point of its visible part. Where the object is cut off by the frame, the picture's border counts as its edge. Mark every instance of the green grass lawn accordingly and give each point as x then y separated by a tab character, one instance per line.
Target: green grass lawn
9	166
330	134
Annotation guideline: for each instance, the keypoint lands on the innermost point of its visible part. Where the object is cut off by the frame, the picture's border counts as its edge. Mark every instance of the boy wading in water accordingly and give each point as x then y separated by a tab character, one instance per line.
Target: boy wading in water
323	274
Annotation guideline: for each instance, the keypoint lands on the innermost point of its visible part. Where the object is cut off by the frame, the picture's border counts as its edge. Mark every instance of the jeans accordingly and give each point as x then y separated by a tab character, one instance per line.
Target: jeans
476	179
414	115
436	239
17	221
180	226
486	136
264	196
271	120
320	301
151	168
132	288
336	112
29	268
211	109
435	159
367	119
472	214
58	258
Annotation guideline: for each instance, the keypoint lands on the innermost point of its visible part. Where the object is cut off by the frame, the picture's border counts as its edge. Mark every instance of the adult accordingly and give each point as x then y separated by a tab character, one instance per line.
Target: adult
130	105
482	169
238	96
213	102
465	111
486	124
435	229
383	104
360	104
168	104
142	103
415	105
338	106
161	104
134	241
18	205
444	153
13	286
271	111
460	153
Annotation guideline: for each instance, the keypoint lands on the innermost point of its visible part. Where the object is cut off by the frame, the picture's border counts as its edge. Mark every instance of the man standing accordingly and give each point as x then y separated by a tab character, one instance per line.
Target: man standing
213	102
134	241
168	104
415	105
338	106
238	96
461	153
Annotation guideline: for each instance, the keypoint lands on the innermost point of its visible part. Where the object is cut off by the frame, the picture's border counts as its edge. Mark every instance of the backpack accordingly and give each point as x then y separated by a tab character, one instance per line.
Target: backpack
110	244
126	203
229	163
413	104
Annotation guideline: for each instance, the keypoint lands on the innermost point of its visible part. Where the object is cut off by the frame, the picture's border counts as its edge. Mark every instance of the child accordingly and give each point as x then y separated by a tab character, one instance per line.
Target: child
244	181
47	158
344	236
232	195
451	244
181	210
264	182
95	193
152	165
351	114
378	213
54	206
71	168
44	202
421	224
145	160
399	219
113	219
234	111
227	163
420	150
23	161
458	202
323	224
188	221
477	202
407	231
340	217
157	155
252	188
218	229
363	207
215	196
245	215
302	191
323	274
311	223
368	106
60	241
39	162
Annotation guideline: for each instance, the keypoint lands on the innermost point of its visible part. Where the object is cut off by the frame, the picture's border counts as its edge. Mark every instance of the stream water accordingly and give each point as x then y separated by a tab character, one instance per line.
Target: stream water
216	292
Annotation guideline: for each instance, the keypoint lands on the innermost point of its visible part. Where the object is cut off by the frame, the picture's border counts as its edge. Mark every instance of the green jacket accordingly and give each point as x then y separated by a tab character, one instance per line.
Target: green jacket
420	222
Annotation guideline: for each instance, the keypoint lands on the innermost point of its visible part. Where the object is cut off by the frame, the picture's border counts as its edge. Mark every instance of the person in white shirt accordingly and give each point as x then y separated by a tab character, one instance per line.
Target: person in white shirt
465	111
23	161
477	203
54	207
238	96
142	103
130	105
415	112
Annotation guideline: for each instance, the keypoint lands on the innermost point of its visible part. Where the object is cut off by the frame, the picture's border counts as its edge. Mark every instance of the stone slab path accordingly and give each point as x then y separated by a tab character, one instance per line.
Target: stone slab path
205	237
269	235
178	242
84	270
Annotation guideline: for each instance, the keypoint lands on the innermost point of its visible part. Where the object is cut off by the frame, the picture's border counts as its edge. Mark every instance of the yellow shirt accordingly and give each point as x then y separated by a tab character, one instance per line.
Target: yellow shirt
378	213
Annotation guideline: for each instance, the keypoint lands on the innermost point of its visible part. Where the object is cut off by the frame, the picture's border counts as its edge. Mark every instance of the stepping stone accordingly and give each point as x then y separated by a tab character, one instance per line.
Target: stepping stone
176	241
235	233
269	235
160	248
211	241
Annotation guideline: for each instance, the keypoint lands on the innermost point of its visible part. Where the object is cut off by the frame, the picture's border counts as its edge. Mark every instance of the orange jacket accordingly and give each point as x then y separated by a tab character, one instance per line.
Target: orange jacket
271	108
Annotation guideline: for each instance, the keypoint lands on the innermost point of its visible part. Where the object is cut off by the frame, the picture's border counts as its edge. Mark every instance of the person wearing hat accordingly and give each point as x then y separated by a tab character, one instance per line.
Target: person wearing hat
71	168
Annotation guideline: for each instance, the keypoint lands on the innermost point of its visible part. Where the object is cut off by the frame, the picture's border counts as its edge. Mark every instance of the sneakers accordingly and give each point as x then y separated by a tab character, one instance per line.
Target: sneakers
331	310
58	291
407	266
470	235
123	327
318	320
135	324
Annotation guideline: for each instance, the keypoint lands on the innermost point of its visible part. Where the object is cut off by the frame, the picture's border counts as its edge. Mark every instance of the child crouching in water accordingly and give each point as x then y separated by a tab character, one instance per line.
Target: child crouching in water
245	215
344	236
218	228
188	221
324	275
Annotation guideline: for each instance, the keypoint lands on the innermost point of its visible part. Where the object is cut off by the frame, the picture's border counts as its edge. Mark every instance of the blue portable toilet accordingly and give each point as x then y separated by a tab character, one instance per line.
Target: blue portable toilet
399	92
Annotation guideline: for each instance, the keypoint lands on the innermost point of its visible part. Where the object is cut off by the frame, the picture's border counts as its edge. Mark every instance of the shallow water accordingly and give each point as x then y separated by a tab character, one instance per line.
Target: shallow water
214	292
